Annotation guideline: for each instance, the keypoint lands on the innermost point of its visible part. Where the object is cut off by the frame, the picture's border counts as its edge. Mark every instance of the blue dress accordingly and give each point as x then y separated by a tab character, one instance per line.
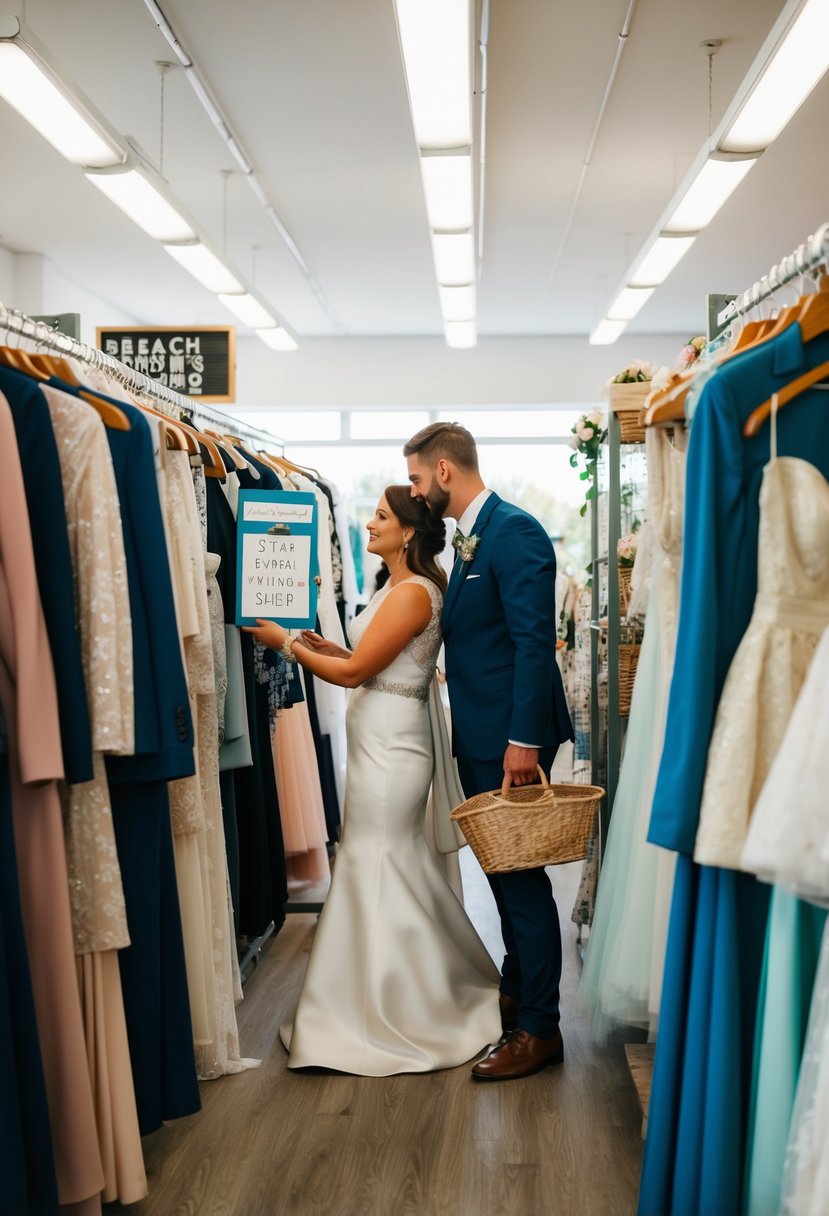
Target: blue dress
153	976
695	1152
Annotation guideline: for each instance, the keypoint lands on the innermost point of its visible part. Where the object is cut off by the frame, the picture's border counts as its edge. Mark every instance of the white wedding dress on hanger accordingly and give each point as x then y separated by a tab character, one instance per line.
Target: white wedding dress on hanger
398	980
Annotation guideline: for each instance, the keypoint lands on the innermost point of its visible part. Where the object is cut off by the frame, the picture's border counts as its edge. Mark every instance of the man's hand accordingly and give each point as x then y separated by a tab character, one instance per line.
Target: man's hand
520	766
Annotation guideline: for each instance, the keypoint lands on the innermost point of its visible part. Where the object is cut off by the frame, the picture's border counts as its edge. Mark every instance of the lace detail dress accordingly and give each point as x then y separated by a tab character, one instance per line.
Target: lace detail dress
788	840
201	860
767	673
398	981
102	610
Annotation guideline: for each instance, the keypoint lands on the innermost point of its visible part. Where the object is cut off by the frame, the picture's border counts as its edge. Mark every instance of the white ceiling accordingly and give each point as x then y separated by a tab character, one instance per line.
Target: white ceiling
315	90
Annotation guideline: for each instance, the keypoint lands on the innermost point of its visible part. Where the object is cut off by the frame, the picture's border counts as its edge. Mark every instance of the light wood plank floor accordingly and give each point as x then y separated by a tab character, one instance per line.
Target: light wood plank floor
565	1142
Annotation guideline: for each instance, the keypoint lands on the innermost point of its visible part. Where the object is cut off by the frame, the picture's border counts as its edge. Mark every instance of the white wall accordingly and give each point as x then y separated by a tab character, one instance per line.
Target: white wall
341	372
32	283
372	372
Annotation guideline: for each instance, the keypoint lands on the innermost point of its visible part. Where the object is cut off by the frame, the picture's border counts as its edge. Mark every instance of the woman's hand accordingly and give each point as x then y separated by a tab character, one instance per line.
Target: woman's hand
320	646
268	633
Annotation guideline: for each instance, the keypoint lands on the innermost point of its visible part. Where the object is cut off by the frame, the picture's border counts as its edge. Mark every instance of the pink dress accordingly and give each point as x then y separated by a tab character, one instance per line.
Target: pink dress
28	694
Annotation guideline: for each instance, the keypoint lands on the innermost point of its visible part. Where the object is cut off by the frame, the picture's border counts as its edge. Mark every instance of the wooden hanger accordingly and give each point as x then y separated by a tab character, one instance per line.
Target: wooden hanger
197	443
21	361
238	461
55	367
813	319
668	404
756	419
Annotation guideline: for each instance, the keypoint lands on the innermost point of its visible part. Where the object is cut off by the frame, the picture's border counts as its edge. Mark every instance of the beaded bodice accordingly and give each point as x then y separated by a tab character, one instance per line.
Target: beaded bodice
410	673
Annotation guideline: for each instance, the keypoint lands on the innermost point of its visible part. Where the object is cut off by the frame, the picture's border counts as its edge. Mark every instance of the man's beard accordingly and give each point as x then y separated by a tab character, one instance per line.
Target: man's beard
437	500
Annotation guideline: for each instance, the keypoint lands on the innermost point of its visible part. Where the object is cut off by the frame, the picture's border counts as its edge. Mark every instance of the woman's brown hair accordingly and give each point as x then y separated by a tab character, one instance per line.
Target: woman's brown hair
429	533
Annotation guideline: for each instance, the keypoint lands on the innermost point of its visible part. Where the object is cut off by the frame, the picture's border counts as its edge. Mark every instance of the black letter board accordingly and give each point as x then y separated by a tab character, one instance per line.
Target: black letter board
196	362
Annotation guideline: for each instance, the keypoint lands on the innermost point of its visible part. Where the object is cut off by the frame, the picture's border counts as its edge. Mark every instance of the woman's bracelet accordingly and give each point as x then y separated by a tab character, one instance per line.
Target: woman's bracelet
286	650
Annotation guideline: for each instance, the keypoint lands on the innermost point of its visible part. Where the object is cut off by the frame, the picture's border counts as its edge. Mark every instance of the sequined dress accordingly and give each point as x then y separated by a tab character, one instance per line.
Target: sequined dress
398	981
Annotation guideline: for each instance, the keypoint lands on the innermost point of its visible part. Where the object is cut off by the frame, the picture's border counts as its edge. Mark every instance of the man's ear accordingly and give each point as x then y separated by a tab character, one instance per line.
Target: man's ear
443	469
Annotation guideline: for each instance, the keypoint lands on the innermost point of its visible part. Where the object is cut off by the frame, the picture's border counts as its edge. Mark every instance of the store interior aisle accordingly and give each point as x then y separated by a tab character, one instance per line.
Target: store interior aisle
566	1141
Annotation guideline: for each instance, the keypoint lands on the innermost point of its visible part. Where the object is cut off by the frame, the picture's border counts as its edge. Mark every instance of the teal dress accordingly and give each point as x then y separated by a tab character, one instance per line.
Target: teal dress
695	1153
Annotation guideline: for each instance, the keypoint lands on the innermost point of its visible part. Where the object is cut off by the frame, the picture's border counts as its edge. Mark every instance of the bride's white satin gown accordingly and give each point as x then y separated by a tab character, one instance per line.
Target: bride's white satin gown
398	980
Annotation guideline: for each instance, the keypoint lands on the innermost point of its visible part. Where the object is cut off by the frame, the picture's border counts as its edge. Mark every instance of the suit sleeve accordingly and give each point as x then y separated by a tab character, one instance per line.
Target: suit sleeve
525	567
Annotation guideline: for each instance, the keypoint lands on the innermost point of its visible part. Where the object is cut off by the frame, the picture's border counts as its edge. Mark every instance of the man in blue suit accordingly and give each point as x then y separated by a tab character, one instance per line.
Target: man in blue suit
508	713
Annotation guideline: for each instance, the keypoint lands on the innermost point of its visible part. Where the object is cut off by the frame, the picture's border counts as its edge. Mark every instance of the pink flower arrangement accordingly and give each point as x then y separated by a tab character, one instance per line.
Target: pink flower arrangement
690	353
626	549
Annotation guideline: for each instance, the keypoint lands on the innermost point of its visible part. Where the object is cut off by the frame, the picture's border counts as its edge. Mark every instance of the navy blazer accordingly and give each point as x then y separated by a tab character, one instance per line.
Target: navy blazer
47	521
499	626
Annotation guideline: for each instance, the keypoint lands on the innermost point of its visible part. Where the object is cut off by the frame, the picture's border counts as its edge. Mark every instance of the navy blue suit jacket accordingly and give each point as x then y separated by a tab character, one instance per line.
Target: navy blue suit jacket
499	625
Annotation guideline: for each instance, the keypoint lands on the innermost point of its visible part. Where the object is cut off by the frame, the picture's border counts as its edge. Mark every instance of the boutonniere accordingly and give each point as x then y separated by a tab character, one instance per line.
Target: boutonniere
467	547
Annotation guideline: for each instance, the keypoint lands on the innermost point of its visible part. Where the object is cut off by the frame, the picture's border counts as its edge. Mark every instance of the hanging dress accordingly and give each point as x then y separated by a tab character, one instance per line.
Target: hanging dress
99	918
622	976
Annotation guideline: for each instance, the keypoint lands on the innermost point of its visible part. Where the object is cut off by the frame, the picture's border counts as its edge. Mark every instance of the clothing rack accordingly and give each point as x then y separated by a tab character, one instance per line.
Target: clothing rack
812	253
13	321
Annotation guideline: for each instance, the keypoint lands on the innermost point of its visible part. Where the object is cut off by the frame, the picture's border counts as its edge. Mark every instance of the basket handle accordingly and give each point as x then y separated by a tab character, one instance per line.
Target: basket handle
545	789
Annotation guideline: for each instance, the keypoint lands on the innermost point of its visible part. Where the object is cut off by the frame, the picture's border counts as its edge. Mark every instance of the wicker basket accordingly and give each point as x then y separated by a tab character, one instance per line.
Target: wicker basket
627	402
624	589
535	825
628	659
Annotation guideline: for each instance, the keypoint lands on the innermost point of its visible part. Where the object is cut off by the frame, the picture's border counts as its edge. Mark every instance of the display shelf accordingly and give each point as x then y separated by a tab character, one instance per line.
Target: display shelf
618	506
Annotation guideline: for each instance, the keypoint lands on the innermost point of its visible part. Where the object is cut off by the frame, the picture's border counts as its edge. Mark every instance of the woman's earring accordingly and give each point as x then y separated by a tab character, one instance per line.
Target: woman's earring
405	545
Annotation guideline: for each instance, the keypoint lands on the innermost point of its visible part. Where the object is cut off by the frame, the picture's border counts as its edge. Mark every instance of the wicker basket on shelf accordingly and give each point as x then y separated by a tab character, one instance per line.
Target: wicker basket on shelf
627	401
535	825
628	659
624	589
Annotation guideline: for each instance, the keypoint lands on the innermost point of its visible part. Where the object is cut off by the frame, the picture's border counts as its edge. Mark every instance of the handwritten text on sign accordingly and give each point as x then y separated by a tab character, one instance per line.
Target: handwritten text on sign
279	512
275	575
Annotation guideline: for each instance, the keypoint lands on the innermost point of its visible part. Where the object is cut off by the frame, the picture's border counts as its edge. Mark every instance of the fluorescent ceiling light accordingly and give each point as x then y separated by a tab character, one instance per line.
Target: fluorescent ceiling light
205	266
606	332
436	44
628	303
447	184
277	338
248	310
664	254
796	67
714	184
140	200
454	254
461	335
27	86
457	303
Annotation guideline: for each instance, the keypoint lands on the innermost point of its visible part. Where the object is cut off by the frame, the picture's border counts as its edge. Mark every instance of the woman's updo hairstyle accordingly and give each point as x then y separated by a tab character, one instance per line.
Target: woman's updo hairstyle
429	533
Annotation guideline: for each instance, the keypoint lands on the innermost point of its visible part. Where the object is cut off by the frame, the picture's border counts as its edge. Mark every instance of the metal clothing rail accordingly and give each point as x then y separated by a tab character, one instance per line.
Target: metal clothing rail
44	337
813	252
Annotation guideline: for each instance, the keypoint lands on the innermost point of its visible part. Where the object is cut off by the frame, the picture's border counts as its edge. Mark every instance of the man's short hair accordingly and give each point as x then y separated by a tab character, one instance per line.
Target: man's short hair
444	441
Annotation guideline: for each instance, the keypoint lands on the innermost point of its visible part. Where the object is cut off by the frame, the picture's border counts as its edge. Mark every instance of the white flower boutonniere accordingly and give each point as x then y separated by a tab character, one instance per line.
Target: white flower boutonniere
467	547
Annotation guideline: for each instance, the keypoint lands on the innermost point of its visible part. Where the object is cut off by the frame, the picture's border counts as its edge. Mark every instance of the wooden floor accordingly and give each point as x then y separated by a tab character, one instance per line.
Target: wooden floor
565	1142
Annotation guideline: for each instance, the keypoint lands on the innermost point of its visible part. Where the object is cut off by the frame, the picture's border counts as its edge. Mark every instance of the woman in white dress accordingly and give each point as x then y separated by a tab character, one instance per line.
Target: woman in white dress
398	980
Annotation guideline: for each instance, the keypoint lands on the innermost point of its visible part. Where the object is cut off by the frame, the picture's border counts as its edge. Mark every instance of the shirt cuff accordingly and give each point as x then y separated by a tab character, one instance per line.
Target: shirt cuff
534	746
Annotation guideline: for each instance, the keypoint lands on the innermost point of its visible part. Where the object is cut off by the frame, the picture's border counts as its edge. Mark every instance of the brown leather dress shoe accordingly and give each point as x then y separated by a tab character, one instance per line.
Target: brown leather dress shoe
520	1056
509	1011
